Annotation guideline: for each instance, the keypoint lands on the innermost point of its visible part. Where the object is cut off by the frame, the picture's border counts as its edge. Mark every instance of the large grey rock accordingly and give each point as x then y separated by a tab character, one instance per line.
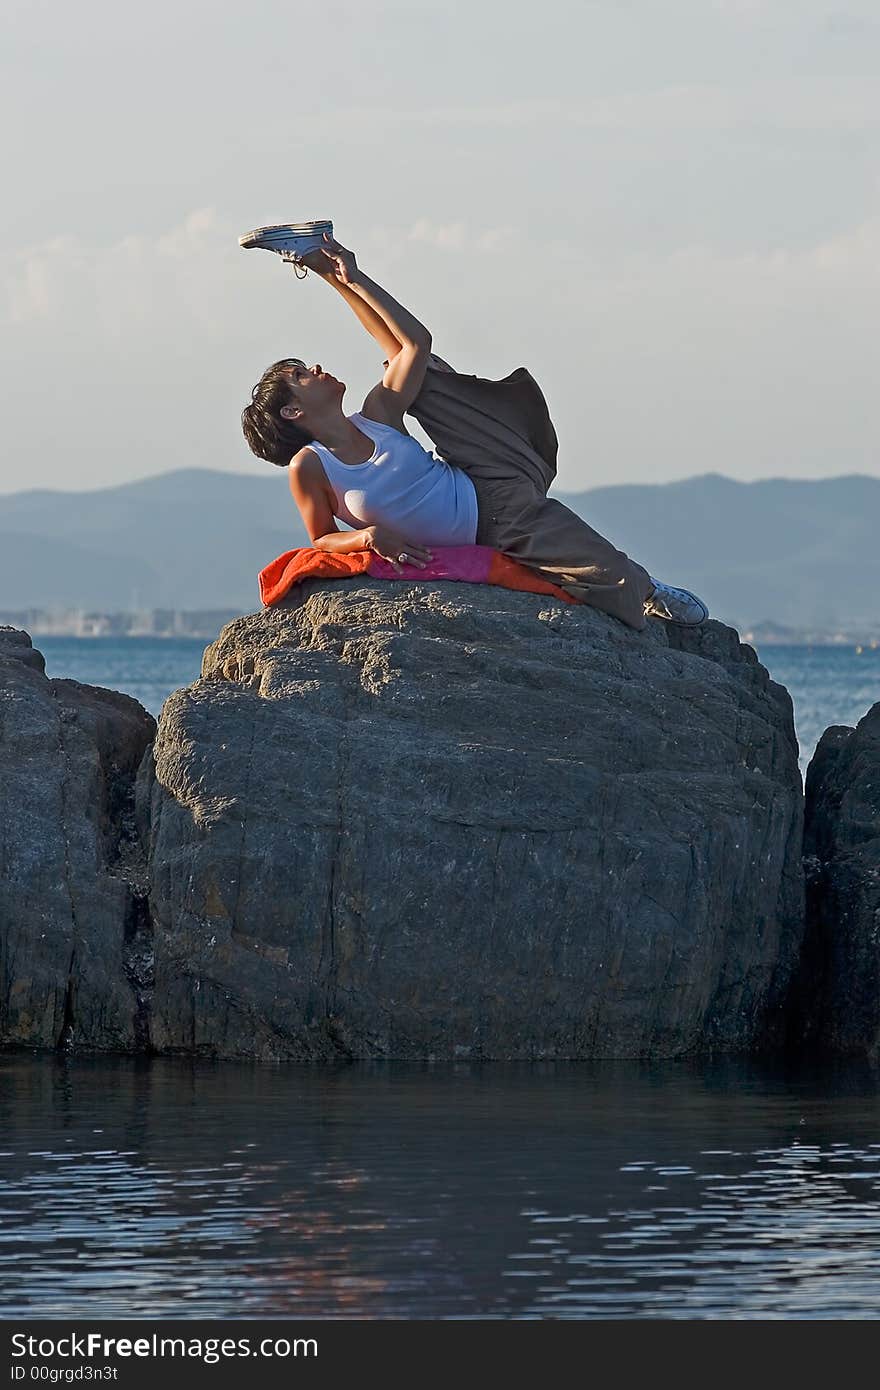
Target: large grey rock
839	986
72	921
451	820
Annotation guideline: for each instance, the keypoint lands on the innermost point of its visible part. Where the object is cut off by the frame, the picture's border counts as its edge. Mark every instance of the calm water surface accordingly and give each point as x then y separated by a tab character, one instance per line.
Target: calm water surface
148	668
829	685
163	1188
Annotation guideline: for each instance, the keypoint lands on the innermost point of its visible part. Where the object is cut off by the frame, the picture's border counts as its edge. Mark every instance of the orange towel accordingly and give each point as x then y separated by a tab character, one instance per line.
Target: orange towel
472	564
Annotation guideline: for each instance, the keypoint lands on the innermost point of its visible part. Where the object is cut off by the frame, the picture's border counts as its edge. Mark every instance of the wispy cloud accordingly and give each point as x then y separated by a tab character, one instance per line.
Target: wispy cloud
118	285
849	260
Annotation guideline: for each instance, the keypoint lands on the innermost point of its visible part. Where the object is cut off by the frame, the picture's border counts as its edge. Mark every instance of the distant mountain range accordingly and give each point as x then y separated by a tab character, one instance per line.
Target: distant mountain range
803	554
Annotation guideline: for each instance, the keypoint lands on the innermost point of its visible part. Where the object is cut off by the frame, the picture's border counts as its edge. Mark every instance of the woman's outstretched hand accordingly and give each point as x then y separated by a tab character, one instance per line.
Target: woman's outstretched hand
391	547
340	262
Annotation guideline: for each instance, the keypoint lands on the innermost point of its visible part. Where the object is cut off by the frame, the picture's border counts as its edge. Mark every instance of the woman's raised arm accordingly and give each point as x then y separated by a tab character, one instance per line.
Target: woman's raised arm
406	367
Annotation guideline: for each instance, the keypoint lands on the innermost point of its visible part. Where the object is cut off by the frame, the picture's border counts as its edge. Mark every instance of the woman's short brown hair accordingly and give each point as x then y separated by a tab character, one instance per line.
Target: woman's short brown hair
268	434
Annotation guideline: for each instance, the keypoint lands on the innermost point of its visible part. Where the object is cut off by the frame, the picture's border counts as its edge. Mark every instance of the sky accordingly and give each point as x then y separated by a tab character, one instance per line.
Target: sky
669	212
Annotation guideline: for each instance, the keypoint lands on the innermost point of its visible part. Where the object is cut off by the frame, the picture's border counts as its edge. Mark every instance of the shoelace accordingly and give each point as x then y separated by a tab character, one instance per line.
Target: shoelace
657	603
297	266
681	594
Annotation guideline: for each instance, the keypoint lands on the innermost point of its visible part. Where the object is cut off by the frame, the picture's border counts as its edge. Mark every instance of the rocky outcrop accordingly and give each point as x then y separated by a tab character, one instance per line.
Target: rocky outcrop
409	821
838	994
451	820
72	903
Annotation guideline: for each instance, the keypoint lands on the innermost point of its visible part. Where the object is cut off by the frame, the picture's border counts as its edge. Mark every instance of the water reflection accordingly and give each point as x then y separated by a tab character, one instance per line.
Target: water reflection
149	1189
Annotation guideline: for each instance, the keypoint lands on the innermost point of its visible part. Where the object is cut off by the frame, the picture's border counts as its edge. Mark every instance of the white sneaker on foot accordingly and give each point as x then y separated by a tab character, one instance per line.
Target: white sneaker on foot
675	605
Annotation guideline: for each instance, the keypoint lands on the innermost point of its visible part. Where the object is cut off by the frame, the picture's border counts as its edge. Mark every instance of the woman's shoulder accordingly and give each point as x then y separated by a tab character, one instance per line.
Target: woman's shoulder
306	457
306	468
389	431
361	419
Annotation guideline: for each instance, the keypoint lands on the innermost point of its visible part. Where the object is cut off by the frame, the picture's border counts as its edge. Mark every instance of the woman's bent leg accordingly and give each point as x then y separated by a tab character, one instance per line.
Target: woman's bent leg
500	434
490	429
548	537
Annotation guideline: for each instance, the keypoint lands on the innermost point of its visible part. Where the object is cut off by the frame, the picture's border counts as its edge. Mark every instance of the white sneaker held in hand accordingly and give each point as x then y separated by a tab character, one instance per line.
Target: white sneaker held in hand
292	241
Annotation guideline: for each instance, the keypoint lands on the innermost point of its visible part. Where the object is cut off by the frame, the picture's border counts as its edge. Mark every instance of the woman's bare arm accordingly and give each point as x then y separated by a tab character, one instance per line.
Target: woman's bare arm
311	493
366	314
405	372
405	327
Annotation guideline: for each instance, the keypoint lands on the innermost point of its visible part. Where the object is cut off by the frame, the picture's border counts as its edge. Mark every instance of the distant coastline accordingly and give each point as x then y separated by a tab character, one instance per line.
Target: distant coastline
206	623
770	634
151	622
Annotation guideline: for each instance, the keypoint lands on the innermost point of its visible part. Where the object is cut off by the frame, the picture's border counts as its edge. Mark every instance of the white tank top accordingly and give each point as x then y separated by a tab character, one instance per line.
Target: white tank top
401	485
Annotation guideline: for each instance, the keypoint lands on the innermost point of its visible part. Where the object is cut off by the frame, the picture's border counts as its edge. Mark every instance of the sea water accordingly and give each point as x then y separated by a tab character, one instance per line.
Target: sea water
144	1188
165	1188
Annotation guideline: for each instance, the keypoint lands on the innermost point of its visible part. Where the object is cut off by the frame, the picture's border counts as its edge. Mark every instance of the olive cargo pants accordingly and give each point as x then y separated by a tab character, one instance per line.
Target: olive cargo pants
500	434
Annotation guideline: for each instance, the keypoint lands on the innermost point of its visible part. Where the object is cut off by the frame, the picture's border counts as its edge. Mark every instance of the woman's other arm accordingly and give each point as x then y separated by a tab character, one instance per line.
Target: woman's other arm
312	495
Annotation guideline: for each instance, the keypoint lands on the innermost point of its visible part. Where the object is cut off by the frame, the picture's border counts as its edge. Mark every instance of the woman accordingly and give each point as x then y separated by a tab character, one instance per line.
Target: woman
489	487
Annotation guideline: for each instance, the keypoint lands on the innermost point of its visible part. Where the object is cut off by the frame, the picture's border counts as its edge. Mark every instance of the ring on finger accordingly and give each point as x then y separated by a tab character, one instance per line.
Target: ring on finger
402	557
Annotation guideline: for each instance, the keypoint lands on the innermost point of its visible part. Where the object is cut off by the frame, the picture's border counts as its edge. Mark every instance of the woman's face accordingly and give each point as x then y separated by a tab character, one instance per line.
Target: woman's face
311	388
